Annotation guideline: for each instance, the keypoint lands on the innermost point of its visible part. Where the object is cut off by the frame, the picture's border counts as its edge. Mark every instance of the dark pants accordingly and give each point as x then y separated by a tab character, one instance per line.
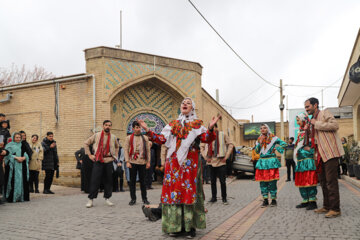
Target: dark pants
290	163
116	175
219	172
86	168
330	185
101	173
205	170
49	175
149	176
141	169
34	179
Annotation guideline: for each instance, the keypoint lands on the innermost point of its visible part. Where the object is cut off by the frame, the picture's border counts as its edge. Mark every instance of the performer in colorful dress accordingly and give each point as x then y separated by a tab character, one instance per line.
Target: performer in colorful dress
305	173
267	167
182	195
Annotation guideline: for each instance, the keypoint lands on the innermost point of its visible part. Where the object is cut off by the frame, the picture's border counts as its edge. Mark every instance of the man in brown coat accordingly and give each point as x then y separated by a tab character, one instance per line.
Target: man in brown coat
137	158
328	150
216	154
106	148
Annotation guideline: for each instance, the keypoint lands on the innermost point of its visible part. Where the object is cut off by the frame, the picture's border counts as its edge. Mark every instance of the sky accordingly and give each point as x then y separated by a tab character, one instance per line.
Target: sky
307	42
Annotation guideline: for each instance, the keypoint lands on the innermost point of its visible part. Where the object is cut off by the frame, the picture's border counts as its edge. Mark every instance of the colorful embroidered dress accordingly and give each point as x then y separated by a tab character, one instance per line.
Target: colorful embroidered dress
305	172
267	167
182	193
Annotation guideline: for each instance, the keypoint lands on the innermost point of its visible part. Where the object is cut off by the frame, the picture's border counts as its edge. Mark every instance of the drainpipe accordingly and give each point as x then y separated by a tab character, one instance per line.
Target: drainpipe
8	96
94	102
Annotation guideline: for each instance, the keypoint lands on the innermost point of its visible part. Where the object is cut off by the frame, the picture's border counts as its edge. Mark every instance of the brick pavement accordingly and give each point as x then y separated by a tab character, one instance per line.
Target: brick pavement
65	216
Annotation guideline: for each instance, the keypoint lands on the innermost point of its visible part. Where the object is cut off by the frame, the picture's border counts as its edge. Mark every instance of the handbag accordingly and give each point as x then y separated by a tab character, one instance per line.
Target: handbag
354	72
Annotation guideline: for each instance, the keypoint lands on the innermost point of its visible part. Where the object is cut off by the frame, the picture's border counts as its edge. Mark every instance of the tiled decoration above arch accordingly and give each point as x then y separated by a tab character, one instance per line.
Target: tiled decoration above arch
143	98
118	72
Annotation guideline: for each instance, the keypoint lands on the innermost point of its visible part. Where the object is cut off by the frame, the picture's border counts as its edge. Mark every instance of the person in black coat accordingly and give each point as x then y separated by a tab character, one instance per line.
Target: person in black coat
79	155
50	162
25	148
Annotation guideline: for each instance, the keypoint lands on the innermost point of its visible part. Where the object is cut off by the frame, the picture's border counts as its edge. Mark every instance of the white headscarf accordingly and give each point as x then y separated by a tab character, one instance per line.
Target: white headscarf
265	150
185	143
302	116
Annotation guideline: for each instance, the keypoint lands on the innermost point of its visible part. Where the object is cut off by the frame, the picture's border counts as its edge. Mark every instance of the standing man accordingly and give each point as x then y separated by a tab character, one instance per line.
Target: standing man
137	158
289	158
328	150
106	149
50	162
217	153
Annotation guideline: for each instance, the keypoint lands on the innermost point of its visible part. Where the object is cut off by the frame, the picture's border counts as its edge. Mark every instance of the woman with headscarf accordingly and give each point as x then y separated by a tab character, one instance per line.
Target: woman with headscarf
17	161
305	172
182	195
267	167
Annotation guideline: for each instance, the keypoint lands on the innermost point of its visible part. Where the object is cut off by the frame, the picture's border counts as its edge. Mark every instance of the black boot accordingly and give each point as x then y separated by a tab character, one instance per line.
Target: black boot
273	203
265	203
192	233
302	205
311	206
212	200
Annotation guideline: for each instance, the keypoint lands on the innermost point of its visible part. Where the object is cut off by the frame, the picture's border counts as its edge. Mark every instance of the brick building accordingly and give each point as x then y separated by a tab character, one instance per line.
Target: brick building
119	85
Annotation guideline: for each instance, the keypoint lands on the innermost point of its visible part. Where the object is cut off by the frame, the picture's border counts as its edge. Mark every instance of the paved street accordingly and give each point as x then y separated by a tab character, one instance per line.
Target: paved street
65	217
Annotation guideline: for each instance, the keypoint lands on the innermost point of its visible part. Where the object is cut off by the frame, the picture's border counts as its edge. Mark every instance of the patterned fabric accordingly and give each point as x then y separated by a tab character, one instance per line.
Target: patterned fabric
267	175
308	194
16	172
179	216
268	187
179	185
326	136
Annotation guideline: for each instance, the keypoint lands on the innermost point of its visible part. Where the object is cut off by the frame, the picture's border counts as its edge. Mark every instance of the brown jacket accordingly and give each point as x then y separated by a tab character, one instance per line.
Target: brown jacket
326	136
95	139
36	157
216	161
138	148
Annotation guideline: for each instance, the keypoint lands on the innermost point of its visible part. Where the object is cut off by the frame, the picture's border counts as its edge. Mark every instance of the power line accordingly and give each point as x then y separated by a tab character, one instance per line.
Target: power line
262	78
251	93
256	105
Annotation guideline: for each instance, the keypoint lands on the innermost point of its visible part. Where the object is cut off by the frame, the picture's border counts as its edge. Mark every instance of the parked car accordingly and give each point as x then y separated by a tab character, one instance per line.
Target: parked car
242	162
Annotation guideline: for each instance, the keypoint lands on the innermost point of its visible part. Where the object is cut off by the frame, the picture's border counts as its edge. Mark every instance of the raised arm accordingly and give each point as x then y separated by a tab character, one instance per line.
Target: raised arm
281	145
157	138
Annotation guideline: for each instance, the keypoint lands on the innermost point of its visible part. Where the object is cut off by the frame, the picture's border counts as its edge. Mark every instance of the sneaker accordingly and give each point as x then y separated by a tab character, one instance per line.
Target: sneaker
302	205
107	201
212	200
225	202
332	214
265	203
273	203
191	234
89	203
132	202
321	210
311	206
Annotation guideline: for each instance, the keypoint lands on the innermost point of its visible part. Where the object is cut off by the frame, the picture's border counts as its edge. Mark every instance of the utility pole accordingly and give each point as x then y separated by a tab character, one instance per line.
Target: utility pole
120	29
282	130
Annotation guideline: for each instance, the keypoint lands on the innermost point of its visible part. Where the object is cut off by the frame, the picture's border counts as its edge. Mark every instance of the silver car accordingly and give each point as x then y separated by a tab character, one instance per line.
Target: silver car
242	161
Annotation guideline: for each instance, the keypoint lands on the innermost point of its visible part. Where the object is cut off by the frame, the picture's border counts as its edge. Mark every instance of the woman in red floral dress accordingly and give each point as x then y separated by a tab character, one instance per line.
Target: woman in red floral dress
182	193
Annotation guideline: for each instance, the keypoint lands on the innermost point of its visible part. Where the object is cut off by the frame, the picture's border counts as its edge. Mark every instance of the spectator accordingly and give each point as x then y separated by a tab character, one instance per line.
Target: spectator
35	163
3	118
150	171
289	158
4	132
17	189
3	153
345	159
50	162
119	171
80	155
25	147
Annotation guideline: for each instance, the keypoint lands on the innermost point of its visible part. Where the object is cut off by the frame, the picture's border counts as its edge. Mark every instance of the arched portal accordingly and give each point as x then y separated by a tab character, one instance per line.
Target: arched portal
151	100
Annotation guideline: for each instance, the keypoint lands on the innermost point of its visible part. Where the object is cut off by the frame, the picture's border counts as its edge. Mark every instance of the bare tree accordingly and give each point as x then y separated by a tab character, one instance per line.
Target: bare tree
15	74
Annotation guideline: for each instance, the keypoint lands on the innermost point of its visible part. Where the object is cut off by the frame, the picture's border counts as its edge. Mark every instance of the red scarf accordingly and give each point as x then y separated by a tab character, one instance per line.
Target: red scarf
313	145
210	152
101	152
132	147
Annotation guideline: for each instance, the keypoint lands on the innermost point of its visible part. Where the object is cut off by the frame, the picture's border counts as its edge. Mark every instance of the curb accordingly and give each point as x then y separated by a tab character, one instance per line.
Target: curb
353	181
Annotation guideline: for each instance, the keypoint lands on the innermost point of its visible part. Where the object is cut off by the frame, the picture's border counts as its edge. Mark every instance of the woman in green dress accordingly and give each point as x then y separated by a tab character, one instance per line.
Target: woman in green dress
17	162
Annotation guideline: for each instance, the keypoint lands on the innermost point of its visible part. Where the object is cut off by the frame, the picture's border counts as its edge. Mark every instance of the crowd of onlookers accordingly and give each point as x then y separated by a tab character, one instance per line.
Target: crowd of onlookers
21	162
